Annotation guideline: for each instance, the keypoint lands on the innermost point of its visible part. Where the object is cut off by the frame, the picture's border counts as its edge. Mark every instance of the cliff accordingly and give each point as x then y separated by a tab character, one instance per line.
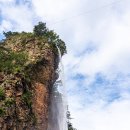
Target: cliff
27	74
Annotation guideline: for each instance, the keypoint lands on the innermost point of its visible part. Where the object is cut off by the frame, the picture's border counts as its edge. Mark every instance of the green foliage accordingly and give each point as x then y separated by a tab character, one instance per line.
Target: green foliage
26	97
54	40
52	36
62	46
9	102
2	93
2	112
41	30
12	62
9	33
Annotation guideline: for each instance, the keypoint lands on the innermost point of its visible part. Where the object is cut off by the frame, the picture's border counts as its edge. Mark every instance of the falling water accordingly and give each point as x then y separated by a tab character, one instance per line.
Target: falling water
58	107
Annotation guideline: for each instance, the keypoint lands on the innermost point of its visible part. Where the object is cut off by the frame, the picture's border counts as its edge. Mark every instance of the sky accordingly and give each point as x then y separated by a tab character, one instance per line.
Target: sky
97	65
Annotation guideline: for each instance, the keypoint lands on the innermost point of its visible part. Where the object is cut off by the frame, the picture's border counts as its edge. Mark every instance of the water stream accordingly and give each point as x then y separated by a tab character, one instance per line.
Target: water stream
58	107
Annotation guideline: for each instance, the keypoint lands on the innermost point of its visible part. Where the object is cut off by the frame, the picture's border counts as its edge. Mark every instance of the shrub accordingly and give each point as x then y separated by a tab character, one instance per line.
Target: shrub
26	97
2	112
2	93
9	102
12	62
9	33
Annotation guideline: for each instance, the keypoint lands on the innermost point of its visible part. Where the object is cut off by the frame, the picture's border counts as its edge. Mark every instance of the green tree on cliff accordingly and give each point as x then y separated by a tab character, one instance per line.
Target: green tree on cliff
41	30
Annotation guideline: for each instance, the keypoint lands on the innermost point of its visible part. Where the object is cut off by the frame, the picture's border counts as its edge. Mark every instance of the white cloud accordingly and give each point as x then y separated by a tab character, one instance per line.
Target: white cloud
6	1
5	25
53	10
20	16
99	116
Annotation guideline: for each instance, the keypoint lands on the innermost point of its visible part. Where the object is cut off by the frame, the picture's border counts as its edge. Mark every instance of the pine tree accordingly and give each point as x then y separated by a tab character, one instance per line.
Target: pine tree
70	126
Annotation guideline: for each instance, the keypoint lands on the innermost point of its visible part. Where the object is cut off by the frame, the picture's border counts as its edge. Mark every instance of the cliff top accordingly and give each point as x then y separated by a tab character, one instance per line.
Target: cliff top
18	50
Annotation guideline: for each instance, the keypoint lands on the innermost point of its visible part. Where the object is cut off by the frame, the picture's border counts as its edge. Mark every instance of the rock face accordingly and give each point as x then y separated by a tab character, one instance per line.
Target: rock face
25	93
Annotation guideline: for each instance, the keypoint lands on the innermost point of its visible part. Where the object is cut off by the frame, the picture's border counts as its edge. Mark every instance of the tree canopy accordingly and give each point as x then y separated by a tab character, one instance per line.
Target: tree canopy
41	30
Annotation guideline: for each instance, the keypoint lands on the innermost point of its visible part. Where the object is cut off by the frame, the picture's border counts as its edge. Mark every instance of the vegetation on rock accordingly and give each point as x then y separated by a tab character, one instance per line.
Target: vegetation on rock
41	30
26	97
2	93
12	62
8	34
2	112
9	102
43	33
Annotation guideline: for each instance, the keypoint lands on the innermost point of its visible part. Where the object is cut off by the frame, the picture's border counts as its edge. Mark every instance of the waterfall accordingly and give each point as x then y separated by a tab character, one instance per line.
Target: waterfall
58	108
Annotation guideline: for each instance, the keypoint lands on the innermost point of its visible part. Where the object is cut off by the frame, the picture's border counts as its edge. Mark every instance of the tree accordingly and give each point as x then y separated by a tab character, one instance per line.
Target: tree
70	126
40	29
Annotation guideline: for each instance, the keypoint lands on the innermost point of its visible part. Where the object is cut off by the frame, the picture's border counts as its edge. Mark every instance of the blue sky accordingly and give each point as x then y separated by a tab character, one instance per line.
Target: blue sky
97	71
